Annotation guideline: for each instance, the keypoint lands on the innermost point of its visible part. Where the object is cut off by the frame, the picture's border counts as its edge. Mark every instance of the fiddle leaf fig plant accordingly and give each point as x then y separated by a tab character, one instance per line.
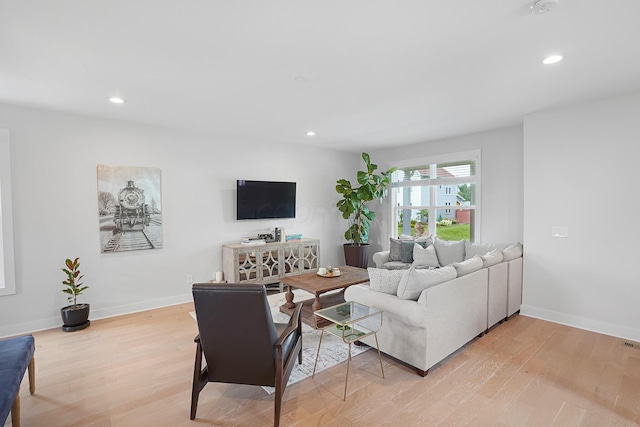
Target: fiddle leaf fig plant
74	286
370	186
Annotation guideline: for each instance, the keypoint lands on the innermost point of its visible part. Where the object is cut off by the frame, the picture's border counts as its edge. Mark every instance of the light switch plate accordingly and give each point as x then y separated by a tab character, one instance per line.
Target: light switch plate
559	232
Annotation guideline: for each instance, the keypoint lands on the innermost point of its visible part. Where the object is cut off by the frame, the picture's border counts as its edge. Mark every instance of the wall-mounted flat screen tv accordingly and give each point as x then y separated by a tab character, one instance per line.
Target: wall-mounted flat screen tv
265	199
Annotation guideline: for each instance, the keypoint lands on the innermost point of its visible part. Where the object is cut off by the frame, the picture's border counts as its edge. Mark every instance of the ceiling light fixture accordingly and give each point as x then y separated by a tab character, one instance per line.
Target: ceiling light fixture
116	100
311	133
552	59
540	7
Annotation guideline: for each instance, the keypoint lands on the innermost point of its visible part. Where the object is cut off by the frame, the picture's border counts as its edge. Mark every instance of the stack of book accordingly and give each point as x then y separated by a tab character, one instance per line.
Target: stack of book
253	241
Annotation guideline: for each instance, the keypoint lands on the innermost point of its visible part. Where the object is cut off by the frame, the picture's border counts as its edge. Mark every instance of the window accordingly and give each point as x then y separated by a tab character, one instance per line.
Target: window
442	192
7	272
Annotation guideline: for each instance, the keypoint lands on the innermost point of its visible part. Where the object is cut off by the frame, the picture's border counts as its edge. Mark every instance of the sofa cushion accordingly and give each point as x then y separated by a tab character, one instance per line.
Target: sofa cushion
413	282
492	258
424	257
449	251
512	252
473	249
396	265
469	266
383	280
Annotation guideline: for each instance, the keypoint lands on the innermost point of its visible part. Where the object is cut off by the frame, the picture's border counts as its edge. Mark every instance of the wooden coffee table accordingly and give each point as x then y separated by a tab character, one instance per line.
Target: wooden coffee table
318	285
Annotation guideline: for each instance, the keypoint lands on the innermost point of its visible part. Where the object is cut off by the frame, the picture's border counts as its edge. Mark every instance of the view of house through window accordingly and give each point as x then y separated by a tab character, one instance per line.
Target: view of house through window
437	196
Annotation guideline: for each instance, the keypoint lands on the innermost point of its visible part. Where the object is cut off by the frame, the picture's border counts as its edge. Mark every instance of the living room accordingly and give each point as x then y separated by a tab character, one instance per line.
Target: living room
561	165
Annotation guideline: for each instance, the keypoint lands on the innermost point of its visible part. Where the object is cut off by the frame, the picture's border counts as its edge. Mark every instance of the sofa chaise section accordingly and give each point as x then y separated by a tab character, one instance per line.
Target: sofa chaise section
444	318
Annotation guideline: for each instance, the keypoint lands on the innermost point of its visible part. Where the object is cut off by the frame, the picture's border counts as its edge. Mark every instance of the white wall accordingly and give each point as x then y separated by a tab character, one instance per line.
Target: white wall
501	162
580	167
54	158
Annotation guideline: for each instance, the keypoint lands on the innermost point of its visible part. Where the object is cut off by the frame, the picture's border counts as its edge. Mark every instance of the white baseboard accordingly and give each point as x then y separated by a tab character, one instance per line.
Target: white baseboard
587	324
56	322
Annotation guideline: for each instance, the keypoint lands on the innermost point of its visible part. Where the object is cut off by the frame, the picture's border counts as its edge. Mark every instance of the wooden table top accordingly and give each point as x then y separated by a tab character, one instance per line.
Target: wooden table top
316	284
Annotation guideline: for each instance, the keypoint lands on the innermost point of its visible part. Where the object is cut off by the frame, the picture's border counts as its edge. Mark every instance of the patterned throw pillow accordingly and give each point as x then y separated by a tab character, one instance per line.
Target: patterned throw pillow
383	280
424	257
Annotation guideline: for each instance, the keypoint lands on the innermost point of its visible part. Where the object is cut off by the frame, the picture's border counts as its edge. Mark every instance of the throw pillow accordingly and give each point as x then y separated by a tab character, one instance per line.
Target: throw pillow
428	241
473	249
449	251
383	280
407	249
424	257
469	266
413	282
512	252
395	249
492	258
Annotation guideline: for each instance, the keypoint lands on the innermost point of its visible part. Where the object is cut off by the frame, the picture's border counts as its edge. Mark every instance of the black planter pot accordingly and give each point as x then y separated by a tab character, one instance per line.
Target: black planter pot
75	317
356	255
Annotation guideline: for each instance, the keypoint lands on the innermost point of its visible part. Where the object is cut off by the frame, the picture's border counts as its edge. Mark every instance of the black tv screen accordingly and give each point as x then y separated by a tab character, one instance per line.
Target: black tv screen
265	199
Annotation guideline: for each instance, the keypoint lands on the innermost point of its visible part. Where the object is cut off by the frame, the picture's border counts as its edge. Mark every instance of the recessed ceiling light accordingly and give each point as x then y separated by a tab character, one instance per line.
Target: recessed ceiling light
311	133
552	59
116	100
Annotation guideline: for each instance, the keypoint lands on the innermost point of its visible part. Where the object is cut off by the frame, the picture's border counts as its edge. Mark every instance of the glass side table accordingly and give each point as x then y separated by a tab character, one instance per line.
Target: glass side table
351	322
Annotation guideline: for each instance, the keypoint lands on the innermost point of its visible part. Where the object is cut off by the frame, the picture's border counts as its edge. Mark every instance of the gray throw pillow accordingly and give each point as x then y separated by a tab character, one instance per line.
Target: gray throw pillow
383	280
424	257
395	249
415	281
449	251
407	249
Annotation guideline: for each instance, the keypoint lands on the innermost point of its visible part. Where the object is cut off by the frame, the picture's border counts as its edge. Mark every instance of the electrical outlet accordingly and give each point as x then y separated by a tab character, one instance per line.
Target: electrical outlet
189	279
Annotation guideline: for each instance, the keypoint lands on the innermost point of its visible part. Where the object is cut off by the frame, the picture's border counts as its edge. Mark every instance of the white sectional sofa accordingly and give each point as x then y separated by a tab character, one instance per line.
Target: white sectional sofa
430	311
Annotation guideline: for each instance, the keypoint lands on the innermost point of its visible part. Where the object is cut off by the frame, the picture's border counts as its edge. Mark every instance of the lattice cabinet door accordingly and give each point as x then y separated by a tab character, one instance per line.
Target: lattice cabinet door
269	264
309	257
246	266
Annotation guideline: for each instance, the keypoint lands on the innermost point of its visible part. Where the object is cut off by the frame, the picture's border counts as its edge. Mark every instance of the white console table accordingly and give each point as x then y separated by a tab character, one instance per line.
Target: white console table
268	263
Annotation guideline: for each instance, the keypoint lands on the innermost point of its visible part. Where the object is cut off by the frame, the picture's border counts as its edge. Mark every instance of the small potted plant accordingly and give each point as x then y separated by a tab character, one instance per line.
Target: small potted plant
370	186
75	316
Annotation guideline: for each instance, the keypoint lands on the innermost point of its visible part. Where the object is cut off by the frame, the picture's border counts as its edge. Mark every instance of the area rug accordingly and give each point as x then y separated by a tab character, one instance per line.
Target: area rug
332	352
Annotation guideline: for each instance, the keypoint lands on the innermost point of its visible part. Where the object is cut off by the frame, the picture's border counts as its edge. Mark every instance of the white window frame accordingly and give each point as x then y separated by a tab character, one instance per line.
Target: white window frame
474	155
7	264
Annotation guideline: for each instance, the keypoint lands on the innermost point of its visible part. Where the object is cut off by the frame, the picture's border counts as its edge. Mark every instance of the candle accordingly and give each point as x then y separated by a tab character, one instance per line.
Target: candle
218	276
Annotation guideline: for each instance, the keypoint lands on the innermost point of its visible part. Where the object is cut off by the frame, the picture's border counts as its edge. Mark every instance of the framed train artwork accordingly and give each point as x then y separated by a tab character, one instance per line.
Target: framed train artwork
129	208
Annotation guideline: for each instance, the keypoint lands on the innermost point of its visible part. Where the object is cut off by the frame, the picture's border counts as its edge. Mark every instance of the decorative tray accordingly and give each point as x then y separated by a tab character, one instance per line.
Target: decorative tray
328	274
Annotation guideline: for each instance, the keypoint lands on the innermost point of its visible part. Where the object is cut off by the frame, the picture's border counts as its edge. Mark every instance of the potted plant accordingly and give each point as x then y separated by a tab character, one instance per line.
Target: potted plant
75	316
371	186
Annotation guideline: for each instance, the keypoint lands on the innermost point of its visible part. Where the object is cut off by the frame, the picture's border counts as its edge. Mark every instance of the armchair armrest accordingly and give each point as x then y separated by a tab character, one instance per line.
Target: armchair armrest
294	324
380	258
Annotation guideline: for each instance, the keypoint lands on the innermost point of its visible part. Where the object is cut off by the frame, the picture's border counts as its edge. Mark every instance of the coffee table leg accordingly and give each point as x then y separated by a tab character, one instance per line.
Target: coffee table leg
289	298
317	304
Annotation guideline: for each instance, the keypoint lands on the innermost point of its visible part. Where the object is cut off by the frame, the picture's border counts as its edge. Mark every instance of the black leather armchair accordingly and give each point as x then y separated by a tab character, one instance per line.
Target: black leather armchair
240	341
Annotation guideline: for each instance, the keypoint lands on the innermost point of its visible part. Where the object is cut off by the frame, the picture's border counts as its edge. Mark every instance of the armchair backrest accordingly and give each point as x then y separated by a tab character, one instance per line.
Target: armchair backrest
237	332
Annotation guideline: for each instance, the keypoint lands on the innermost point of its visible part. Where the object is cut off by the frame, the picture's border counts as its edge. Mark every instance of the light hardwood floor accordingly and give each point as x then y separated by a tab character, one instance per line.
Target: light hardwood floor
136	370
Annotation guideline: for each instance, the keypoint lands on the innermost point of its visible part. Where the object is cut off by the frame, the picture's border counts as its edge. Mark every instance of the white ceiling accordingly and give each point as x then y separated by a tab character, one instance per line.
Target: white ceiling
363	74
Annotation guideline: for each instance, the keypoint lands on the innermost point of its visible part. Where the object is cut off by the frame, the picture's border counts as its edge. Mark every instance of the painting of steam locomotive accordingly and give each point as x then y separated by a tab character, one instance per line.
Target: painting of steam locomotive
129	208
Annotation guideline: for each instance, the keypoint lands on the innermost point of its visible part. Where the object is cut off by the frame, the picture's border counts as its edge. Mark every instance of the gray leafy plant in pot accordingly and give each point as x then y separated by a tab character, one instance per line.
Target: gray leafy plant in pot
370	186
75	316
